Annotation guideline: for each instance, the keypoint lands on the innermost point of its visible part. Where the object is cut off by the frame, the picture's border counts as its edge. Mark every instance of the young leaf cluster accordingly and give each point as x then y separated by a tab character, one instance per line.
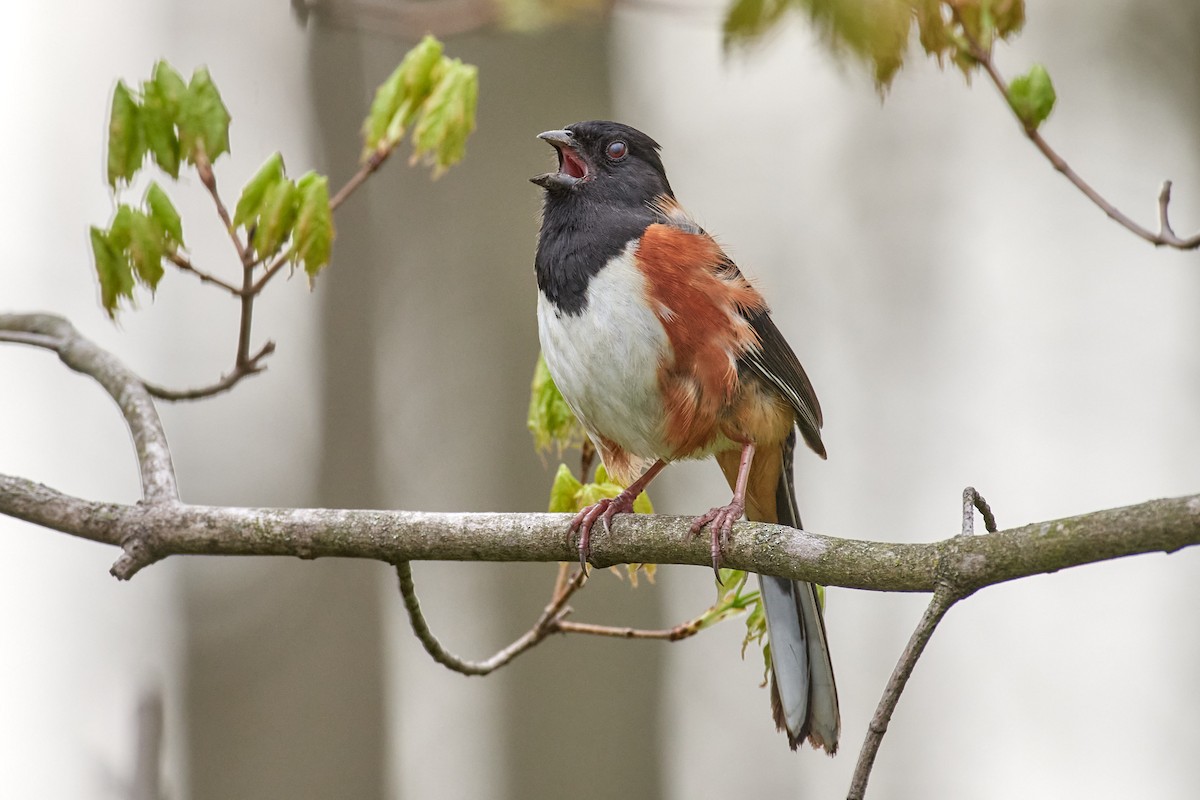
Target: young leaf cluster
550	420
878	31
167	120
133	247
275	211
277	221
433	96
569	495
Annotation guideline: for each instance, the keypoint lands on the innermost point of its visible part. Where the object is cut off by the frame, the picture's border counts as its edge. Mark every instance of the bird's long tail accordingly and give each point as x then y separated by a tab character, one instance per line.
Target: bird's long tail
803	692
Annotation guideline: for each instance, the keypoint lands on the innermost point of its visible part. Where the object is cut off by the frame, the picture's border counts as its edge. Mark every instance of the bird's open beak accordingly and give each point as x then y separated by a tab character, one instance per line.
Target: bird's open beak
572	169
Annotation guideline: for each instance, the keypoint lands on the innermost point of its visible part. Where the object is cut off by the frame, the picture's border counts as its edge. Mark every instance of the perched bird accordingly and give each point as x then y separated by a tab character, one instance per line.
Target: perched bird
665	351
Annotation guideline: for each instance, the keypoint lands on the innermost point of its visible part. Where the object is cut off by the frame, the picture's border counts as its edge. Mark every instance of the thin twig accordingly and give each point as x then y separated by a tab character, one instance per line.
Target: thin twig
1164	238
374	162
972	501
560	582
946	595
680	631
546	624
246	317
942	600
182	261
250	366
270	272
204	168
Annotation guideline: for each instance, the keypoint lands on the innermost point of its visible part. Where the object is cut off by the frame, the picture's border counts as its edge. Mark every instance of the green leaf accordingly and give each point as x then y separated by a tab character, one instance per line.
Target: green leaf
147	243
398	98
731	580
747	20
607	487
874	31
1032	97
592	493
276	217
756	626
937	36
113	270
550	420
126	145
314	231
564	492
159	133
1008	16
448	117
121	231
160	111
632	569
167	85
250	203
203	119
163	212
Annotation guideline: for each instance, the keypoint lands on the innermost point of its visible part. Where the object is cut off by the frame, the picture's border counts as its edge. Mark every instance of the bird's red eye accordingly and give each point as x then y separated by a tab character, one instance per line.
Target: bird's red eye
616	151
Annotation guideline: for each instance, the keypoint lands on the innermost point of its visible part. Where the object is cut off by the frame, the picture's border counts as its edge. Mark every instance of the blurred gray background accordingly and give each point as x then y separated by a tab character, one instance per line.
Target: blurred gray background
966	316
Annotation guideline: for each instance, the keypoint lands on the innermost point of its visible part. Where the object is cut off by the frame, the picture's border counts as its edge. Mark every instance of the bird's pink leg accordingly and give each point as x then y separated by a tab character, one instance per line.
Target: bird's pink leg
608	508
723	517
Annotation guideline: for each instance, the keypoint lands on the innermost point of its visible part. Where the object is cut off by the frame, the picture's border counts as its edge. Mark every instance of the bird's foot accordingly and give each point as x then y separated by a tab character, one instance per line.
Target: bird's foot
721	519
604	510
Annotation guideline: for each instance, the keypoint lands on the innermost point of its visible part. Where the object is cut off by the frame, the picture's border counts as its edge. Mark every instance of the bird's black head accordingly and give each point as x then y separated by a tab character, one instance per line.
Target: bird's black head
607	162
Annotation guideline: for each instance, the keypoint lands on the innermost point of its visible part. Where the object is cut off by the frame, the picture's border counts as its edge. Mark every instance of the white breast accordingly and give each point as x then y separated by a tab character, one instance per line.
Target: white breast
605	360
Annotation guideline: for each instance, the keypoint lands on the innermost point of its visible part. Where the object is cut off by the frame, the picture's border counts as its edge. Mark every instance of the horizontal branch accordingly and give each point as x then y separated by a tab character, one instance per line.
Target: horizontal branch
149	532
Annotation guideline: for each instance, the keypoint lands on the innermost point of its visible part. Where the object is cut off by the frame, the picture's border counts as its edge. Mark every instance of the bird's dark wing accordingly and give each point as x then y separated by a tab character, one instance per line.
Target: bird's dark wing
774	362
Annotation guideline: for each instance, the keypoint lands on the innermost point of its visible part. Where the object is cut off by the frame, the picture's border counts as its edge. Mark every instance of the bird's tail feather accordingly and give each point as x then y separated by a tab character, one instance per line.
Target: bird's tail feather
803	692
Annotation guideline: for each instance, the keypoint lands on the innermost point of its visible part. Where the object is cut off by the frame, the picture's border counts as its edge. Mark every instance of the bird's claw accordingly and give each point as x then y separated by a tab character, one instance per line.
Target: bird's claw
721	519
604	510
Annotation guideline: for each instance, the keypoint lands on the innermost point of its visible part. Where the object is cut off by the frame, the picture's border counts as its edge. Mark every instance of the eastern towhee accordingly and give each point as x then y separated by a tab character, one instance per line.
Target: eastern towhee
664	350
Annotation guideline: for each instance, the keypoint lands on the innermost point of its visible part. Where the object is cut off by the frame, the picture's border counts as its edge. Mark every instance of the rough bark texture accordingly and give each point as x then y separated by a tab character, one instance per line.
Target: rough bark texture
149	532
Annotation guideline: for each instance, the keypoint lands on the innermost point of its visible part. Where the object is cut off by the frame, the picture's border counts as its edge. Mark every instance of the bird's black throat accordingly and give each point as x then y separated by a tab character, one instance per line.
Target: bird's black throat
579	235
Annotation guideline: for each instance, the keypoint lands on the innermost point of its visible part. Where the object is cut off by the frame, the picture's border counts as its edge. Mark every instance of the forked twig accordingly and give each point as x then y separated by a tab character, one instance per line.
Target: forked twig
945	595
938	606
546	624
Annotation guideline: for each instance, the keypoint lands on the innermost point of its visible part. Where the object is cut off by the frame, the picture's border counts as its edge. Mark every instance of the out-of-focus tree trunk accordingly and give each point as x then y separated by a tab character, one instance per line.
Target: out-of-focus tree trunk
429	348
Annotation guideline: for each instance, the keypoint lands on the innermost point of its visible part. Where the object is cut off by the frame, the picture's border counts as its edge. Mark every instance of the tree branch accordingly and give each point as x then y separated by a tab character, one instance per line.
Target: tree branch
1165	237
545	625
945	596
393	536
80	354
938	606
185	264
241	369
